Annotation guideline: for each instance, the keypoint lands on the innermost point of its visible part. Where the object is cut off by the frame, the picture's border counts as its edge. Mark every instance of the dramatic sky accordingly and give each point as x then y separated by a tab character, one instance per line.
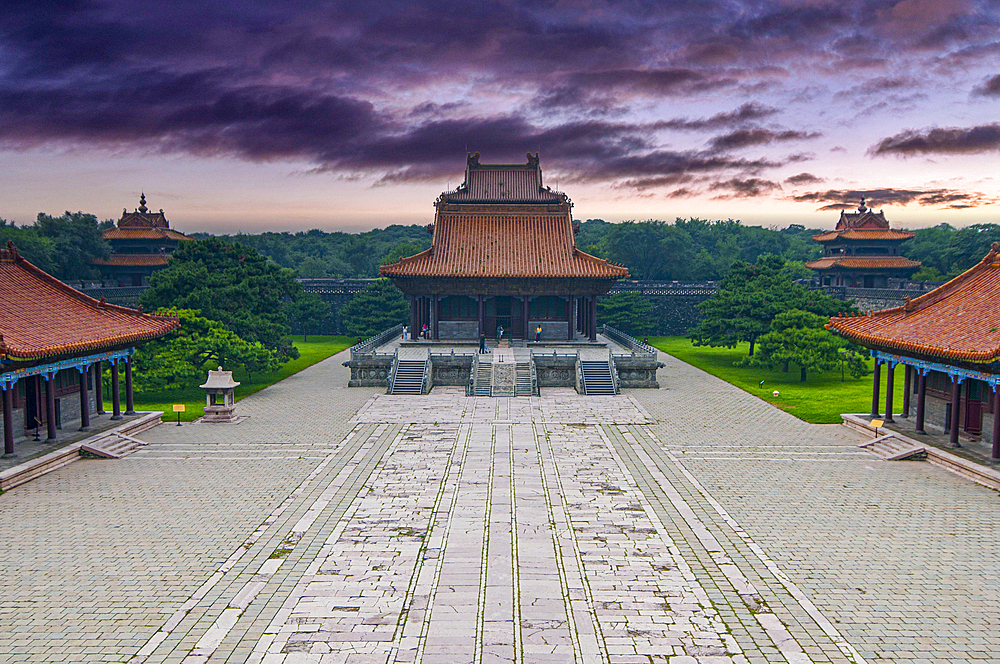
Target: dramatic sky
297	114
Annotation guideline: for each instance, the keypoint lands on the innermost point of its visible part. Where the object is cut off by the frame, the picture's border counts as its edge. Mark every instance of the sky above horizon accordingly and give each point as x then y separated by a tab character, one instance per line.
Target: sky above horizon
252	116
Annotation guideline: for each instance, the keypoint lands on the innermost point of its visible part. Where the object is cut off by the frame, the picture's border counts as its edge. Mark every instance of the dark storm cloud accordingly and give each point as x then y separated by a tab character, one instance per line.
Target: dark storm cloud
745	113
948	140
803	178
990	88
846	199
742	138
745	188
362	89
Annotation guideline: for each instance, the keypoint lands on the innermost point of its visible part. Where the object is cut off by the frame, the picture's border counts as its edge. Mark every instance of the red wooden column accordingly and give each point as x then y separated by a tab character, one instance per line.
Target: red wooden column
890	373
524	316
99	387
435	314
593	318
480	309
8	422
129	401
414	328
84	400
921	397
876	384
116	399
996	423
569	318
50	405
956	399
907	388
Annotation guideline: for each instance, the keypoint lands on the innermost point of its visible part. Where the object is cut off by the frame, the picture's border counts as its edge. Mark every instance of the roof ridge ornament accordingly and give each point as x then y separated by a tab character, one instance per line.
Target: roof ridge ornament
861	207
142	203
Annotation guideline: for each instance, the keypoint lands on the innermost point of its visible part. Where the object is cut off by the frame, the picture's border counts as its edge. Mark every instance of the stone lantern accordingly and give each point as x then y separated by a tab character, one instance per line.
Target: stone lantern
221	399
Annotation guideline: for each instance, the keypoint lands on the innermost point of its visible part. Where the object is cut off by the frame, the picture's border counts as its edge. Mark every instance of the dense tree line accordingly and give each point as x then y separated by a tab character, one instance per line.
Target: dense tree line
684	250
62	246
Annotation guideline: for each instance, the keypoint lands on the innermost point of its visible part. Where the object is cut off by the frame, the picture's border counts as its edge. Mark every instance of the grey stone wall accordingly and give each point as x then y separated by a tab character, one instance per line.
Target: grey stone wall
555	371
458	329
551	330
451	370
637	372
369	373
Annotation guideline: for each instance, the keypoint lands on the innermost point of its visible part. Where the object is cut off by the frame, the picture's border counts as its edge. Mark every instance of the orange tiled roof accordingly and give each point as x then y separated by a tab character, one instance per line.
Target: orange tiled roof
862	262
42	317
133	259
502	183
863	234
959	321
143	234
503	244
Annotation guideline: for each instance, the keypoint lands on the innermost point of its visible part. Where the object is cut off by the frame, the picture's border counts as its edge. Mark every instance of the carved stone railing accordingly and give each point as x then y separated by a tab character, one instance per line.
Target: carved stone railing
637	348
367	349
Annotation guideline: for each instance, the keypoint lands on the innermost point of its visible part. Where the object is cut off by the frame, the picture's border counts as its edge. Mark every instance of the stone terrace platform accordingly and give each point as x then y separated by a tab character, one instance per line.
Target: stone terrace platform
692	524
555	360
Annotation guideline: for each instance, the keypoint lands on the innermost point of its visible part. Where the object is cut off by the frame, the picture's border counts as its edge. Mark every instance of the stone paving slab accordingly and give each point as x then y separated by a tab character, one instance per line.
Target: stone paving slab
901	556
558	404
693	524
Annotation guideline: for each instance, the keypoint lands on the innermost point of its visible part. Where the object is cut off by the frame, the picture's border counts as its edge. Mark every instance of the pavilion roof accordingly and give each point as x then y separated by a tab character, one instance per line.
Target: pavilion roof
959	321
504	244
863	262
502	183
143	234
863	234
42	317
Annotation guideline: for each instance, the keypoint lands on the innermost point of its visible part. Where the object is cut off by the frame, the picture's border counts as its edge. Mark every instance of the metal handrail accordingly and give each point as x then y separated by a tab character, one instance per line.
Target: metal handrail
367	347
392	372
628	341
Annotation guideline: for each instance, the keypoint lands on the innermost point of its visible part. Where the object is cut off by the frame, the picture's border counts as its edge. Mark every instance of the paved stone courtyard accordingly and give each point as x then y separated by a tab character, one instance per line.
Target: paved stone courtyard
691	524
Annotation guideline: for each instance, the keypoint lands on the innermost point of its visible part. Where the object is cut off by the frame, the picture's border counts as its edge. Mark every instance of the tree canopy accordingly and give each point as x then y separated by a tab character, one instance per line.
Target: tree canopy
181	358
232	284
65	246
749	298
629	312
376	308
798	337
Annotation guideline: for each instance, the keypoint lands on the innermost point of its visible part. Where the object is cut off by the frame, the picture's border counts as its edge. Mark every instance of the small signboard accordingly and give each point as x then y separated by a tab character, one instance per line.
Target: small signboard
178	408
878	424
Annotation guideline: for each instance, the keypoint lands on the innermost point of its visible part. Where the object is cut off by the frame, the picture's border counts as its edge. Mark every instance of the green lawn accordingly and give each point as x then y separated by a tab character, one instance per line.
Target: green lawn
310	352
821	399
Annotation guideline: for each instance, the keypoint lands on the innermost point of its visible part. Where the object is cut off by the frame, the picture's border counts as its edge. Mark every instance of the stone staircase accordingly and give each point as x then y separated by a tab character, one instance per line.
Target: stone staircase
597	377
482	381
522	381
891	448
408	377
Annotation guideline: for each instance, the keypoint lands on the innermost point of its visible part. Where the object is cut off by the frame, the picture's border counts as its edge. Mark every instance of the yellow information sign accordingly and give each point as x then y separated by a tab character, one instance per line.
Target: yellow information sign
878	424
178	408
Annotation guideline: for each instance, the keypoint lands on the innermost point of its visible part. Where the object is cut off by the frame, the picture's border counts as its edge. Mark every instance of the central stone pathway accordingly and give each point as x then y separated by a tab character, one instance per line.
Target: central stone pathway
485	530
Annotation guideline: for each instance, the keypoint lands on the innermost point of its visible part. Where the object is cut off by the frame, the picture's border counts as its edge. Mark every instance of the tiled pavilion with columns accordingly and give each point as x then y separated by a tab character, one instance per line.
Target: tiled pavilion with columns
948	342
504	255
54	342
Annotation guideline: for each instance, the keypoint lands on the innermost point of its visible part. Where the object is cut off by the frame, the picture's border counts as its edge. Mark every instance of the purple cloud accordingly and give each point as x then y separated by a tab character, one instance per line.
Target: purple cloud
949	140
846	199
989	88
